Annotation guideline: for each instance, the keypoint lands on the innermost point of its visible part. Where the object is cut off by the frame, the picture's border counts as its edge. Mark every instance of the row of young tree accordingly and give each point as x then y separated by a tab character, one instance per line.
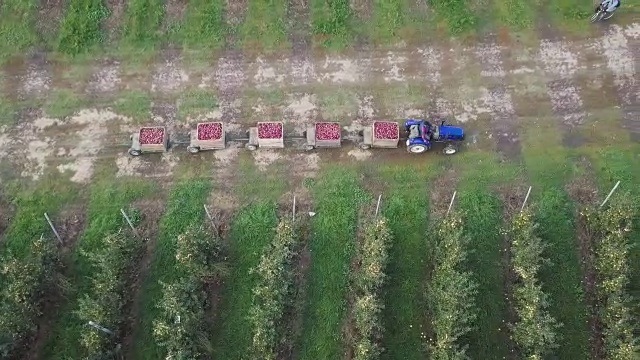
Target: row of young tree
451	289
104	303
609	231
181	327
273	293
367	278
24	283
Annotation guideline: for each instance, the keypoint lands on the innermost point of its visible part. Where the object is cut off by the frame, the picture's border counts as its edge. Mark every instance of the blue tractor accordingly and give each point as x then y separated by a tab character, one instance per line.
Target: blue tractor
422	134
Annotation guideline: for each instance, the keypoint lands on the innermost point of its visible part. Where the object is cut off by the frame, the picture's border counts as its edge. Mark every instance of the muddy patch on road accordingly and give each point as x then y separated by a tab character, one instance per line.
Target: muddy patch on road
169	76
36	82
561	65
105	79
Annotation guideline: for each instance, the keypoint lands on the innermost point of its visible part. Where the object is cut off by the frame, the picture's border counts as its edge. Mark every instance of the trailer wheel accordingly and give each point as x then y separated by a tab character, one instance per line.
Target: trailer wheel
134	152
364	146
449	150
193	149
309	147
251	147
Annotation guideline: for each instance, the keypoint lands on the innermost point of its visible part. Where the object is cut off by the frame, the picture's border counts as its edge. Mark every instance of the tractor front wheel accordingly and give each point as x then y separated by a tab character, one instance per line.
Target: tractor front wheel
417	148
449	150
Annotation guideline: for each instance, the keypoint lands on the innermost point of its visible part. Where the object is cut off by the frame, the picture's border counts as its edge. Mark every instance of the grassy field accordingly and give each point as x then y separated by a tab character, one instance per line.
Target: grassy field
483	220
17	27
203	26
251	231
555	214
265	27
27	224
407	211
338	196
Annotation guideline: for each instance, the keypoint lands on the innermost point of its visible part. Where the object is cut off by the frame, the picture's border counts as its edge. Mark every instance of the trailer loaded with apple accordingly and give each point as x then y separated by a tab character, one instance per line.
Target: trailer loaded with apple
419	136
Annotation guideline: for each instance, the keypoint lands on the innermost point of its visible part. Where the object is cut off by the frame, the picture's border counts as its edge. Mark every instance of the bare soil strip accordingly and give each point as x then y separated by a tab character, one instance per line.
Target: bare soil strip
512	197
585	193
151	211
300	37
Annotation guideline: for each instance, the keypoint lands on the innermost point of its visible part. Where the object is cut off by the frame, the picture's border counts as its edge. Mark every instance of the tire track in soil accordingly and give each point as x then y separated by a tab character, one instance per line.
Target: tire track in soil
294	311
70	224
560	65
113	24
220	225
504	121
231	75
300	38
152	211
584	193
512	198
362	13
49	16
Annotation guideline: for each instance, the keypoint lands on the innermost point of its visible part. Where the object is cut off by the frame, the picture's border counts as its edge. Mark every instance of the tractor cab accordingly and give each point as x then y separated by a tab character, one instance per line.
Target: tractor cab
425	130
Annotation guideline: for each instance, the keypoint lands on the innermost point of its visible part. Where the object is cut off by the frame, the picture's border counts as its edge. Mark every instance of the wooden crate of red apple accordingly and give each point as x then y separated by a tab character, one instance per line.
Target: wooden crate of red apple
382	134
208	136
324	135
153	139
268	134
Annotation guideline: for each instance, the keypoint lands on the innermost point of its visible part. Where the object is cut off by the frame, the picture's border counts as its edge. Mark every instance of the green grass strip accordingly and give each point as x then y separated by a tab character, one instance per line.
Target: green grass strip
28	222
573	10
457	13
142	23
331	22
337	196
203	25
17	26
404	310
184	209
104	218
483	221
562	278
515	14
251	231
388	19
81	27
265	28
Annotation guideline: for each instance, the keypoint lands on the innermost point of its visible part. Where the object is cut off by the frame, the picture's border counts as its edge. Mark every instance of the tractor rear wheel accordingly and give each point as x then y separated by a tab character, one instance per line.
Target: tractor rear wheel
417	148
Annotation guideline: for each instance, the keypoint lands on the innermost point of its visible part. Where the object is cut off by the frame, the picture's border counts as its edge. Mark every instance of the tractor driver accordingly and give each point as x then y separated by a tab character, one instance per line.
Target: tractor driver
426	131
